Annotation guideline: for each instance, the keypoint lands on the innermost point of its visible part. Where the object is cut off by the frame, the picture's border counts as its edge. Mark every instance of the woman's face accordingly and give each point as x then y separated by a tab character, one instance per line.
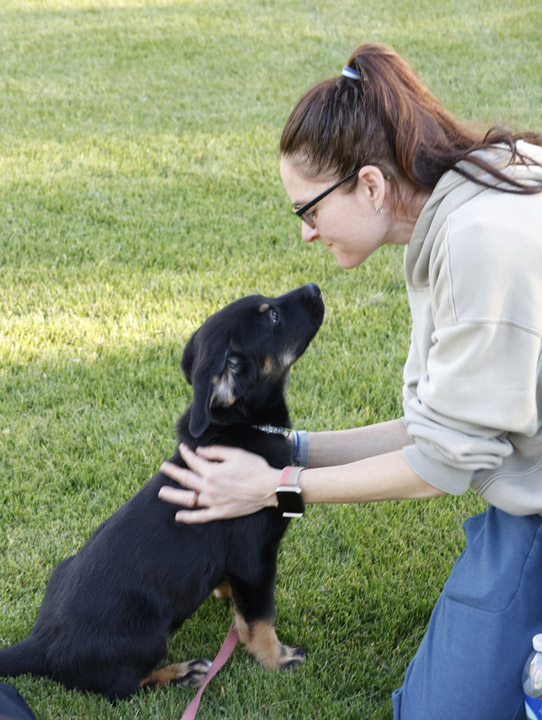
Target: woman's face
349	224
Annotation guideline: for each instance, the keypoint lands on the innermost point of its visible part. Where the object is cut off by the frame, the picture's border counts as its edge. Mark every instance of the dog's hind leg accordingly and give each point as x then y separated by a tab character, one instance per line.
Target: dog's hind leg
191	673
223	591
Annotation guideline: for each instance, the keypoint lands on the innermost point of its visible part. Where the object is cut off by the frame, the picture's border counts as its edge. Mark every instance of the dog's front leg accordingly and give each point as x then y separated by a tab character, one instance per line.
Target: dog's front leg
260	639
255	620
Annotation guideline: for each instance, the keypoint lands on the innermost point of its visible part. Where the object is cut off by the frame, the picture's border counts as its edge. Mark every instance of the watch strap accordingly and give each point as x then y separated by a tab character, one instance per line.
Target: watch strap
290	476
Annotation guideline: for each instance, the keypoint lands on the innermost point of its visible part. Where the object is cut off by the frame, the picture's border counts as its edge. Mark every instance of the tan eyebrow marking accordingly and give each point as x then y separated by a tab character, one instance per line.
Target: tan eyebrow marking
264	307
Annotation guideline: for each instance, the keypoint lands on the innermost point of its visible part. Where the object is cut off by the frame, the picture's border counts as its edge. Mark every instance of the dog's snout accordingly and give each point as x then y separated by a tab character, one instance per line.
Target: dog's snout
314	303
313	289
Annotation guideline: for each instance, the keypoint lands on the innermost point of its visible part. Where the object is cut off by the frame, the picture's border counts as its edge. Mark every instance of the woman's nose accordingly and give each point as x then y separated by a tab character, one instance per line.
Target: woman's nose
307	233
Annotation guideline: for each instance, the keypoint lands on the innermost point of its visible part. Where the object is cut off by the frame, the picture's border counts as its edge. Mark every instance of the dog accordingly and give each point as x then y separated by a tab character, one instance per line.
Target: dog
109	609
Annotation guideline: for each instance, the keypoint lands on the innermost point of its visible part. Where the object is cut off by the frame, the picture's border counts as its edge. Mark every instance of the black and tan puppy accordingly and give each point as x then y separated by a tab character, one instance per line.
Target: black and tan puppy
109	609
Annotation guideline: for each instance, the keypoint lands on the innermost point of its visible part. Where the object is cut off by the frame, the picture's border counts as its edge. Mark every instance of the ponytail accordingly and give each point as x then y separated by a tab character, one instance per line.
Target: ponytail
380	113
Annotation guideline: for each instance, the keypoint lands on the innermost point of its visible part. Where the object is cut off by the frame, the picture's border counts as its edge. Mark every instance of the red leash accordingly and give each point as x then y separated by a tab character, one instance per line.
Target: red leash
220	660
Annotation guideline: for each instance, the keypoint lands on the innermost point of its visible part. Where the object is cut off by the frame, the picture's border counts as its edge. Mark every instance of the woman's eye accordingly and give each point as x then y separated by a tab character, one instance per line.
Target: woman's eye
274	316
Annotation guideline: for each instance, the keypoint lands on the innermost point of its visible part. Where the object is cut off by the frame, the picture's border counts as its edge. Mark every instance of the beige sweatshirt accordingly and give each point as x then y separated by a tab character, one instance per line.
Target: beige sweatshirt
472	394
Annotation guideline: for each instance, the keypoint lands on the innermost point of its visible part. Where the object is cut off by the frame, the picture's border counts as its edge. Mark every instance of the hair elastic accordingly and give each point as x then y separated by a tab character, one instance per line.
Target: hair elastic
351	73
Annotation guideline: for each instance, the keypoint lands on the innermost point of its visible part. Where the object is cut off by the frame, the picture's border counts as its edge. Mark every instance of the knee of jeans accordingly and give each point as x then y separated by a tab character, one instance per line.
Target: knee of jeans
520	712
396	702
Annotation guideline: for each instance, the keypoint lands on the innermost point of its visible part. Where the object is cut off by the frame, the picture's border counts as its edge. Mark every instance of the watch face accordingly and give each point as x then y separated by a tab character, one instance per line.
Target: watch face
290	501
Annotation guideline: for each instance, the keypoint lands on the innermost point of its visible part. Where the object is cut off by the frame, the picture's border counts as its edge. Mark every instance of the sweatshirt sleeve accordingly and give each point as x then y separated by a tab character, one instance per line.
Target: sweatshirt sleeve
480	386
474	372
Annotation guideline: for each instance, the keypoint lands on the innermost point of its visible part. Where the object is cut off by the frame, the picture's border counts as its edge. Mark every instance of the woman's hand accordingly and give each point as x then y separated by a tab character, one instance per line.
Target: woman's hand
226	482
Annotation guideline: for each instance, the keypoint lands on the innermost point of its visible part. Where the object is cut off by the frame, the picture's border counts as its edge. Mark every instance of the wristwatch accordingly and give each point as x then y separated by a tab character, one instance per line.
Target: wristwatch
289	499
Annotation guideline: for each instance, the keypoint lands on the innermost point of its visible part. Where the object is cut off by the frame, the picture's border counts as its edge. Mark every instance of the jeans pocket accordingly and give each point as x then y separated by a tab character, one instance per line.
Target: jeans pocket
488	573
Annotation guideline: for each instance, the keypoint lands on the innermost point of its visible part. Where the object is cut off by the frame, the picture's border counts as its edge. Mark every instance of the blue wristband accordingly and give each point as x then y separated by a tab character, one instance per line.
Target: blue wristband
301	447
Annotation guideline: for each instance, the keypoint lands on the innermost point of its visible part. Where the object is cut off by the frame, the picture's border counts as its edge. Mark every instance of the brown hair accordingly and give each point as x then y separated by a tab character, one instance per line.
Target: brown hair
390	119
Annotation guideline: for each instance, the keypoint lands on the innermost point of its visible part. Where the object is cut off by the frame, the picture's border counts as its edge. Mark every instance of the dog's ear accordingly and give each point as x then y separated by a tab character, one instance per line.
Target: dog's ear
188	358
205	379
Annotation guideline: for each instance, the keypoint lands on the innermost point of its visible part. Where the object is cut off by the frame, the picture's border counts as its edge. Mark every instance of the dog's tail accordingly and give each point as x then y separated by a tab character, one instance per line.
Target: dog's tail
24	657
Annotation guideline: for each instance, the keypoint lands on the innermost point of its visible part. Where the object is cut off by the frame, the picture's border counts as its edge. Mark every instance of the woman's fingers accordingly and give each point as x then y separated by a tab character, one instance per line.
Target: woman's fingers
185	477
194	517
214	453
186	498
198	463
221	480
192	477
181	475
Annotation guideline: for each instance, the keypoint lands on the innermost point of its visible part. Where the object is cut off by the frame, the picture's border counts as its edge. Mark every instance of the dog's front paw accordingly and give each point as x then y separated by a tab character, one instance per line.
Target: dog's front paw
291	658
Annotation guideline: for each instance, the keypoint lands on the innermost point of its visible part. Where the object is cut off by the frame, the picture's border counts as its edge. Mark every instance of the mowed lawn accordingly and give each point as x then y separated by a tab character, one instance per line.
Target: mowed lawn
140	192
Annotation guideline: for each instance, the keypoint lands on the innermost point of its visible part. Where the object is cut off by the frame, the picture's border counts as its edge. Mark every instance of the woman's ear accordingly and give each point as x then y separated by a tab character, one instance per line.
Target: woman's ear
371	181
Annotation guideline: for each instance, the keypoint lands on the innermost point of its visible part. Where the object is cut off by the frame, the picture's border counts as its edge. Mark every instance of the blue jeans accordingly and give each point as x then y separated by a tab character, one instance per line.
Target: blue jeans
12	706
468	666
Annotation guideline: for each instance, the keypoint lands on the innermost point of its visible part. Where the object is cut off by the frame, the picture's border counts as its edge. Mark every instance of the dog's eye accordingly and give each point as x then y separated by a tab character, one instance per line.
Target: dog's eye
233	362
273	314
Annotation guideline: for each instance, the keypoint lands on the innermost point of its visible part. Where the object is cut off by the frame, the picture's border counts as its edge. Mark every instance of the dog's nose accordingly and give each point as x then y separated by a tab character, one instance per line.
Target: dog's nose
314	303
313	289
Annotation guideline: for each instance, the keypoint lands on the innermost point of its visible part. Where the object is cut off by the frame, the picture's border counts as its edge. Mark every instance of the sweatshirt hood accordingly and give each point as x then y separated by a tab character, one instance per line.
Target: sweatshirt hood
453	190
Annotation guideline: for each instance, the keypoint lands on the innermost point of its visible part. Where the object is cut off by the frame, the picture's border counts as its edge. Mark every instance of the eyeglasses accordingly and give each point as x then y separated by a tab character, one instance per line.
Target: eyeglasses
302	210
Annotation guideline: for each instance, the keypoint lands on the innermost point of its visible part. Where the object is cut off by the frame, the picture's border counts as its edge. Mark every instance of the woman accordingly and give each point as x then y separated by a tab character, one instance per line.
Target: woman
372	158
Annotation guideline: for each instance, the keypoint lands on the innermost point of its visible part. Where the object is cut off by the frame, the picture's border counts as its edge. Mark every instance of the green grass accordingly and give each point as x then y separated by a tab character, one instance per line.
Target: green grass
140	192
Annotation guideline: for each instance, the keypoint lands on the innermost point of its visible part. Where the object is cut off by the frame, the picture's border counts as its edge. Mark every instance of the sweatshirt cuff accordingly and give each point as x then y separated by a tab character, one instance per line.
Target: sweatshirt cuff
450	480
